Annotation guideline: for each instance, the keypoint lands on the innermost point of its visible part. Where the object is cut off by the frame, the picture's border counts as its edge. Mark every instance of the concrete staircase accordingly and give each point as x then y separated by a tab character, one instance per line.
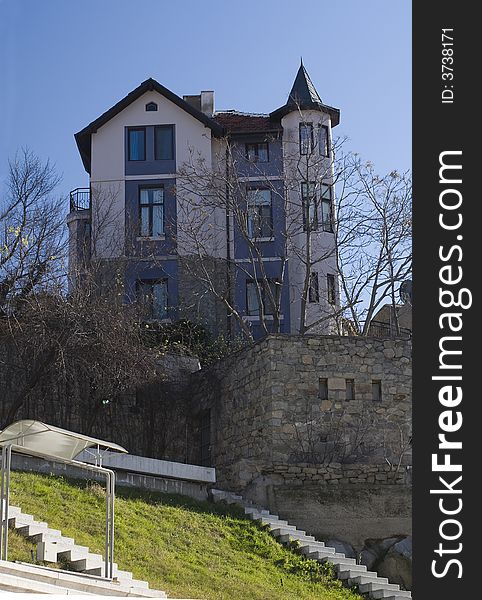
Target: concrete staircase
346	569
87	568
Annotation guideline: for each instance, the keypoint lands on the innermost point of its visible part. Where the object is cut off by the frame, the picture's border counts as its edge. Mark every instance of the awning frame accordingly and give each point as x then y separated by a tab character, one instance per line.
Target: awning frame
8	446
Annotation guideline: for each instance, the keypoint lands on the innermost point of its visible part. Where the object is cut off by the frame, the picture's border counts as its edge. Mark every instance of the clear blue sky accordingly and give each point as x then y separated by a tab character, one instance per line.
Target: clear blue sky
64	62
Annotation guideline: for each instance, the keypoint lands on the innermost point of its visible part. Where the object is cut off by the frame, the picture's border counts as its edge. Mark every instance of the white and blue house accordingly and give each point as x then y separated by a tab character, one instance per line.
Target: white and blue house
127	220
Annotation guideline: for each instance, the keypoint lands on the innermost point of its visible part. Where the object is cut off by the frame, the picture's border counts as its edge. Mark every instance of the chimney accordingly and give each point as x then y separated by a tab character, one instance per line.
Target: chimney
207	103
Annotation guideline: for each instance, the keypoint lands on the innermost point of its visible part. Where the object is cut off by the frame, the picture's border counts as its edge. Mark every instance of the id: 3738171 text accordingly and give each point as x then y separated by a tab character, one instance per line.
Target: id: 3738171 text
448	74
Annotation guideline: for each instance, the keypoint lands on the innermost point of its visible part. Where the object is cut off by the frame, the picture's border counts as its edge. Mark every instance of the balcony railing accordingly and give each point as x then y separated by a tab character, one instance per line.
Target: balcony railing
80	199
380	329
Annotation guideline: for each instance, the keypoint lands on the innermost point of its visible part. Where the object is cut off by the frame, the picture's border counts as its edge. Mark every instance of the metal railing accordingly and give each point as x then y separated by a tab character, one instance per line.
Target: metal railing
380	329
80	199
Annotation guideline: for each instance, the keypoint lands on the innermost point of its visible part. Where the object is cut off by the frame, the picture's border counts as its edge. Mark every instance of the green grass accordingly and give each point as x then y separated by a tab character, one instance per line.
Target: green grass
189	549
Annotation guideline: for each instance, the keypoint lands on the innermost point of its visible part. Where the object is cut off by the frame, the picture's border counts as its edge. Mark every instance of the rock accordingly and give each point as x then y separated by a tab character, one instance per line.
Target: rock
375	550
397	564
344	547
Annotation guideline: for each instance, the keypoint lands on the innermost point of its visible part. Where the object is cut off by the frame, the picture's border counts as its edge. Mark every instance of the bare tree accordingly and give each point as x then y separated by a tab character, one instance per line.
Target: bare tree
32	240
374	234
333	212
78	342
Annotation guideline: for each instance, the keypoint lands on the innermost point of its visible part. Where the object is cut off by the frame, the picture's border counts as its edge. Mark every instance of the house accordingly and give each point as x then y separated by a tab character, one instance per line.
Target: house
256	250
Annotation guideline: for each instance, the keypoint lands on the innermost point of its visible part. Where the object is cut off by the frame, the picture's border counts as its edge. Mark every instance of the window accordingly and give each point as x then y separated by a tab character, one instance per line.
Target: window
151	205
151	106
324	141
164	142
306	138
326	208
331	288
257	152
252	304
137	143
260	218
309	206
152	294
350	389
323	388
377	390
314	289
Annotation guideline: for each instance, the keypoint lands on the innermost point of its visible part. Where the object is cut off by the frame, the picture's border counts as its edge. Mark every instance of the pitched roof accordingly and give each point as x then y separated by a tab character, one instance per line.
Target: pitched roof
303	90
239	122
83	137
303	96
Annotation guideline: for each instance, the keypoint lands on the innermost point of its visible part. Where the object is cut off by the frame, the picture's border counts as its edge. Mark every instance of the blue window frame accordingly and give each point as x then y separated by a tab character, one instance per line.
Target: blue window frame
257	152
164	142
260	216
153	296
136	143
151	207
252	300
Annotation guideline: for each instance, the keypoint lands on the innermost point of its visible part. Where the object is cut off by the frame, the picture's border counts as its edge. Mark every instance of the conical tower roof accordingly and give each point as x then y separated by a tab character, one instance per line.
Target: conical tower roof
303	90
303	96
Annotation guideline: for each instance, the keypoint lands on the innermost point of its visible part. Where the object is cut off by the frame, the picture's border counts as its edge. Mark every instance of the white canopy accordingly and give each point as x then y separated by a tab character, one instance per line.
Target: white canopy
29	436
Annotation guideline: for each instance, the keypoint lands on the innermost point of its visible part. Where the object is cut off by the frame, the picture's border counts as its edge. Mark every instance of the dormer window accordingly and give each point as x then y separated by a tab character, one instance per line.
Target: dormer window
151	107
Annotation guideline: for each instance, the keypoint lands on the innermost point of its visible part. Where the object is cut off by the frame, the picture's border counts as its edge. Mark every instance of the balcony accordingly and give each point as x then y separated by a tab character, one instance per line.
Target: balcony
380	329
80	199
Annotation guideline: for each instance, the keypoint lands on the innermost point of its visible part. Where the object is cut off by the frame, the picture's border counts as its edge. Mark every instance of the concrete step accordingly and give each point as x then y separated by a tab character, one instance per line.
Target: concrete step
339	561
396	596
347	570
286	538
118	574
32	529
276	522
378	588
20	585
383	593
276	530
74	553
53	539
76	583
249	510
91	561
48	550
314	547
19	520
365	578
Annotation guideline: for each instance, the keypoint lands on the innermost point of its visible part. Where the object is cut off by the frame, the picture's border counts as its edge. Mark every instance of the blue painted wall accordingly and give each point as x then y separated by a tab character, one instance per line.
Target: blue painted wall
154	270
245	168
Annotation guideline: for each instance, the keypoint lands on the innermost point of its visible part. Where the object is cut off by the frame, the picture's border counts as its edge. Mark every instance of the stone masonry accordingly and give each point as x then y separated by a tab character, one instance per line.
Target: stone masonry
317	428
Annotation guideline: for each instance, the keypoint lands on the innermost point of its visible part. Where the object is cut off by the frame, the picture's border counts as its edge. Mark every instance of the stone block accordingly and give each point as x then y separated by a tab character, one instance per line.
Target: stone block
336	383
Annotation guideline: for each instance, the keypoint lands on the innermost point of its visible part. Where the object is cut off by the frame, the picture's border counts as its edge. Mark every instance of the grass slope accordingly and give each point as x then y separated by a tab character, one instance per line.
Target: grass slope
189	549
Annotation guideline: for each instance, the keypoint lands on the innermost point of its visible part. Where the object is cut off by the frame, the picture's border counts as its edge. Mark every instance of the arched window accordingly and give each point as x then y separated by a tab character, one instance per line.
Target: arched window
151	106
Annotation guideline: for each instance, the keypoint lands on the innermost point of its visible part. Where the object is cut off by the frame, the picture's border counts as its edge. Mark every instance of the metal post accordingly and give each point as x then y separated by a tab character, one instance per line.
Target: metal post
2	503
112	500
109	524
4	500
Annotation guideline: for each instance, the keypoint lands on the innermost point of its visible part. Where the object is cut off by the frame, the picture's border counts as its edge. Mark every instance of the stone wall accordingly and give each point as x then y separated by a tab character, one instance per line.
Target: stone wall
311	417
